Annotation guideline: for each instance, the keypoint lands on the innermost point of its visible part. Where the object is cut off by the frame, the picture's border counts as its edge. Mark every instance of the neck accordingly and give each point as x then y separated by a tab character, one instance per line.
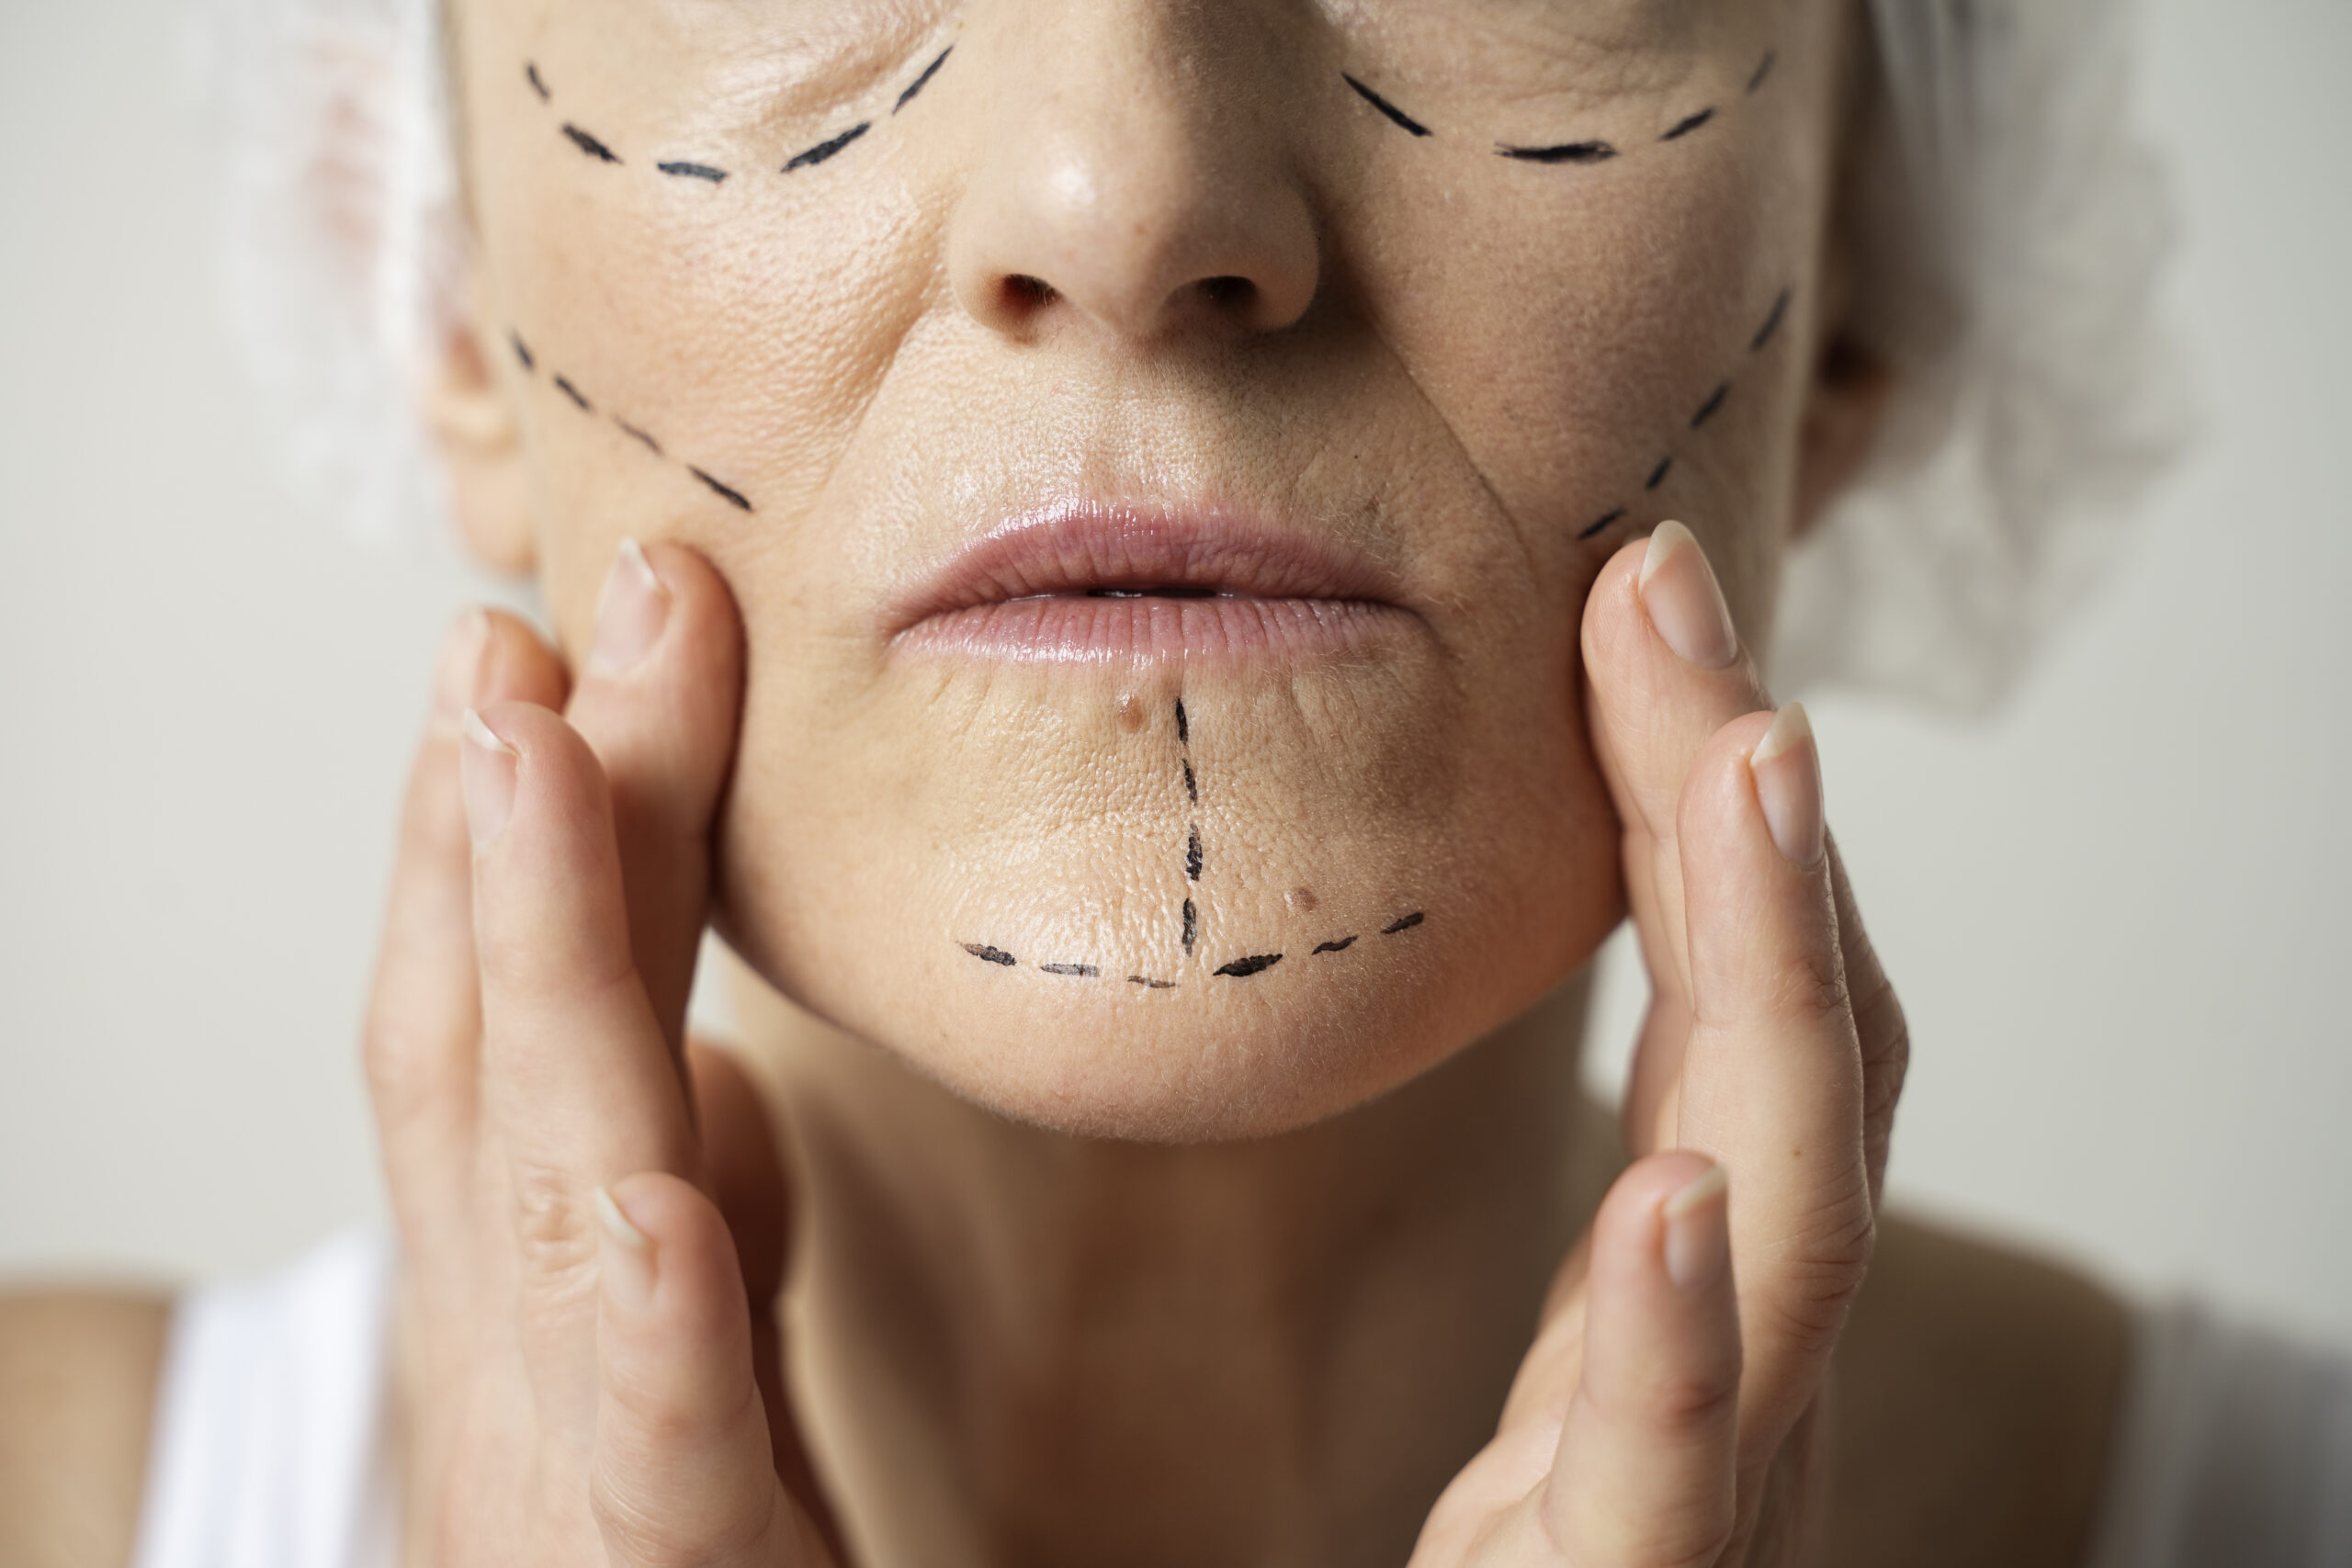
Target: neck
1013	1346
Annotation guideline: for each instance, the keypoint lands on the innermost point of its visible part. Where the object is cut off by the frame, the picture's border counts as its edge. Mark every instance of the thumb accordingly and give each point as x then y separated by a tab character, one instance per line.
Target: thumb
683	1470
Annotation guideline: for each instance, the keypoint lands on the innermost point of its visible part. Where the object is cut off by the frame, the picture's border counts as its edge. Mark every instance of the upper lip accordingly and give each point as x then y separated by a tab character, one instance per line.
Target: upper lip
1092	547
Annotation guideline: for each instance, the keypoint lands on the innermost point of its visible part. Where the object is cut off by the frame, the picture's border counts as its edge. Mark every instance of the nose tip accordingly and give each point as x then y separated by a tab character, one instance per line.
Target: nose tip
1134	226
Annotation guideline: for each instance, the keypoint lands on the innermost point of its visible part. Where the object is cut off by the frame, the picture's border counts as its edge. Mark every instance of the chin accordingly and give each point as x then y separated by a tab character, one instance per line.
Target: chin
1119	910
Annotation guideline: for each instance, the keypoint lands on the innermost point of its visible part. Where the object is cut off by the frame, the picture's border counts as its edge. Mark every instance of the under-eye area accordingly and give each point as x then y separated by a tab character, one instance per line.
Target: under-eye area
1689	124
907	96
595	146
591	145
1566	153
825	151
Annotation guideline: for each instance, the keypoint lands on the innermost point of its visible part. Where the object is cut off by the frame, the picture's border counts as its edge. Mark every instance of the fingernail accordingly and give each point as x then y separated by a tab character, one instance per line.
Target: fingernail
630	616
454	683
486	768
1685	603
1698	1231
1787	767
625	1258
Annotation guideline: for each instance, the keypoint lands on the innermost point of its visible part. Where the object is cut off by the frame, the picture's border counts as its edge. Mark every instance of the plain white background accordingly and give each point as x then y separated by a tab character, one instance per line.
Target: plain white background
2117	912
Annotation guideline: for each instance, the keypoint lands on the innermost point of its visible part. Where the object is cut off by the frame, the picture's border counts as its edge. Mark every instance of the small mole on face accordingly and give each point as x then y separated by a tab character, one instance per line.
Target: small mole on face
1131	712
1302	900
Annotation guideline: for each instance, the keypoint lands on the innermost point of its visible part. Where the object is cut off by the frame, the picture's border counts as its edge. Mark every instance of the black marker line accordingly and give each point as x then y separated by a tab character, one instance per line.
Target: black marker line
1713	406
1566	153
1772	327
1339	946
563	383
733	497
590	145
1192	786
1183	724
1657	477
1603	525
1191	926
1152	985
988	954
1403	120
523	353
1407	923
1242	968
1077	971
1687	126
539	84
922	80
629	430
693	172
1193	854
1763	72
824	150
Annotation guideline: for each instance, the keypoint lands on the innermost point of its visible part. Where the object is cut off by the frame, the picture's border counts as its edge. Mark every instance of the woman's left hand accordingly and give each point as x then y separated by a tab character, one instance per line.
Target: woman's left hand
1671	1410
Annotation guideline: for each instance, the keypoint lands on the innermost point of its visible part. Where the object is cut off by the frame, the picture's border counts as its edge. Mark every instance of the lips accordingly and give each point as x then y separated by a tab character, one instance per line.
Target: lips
1085	582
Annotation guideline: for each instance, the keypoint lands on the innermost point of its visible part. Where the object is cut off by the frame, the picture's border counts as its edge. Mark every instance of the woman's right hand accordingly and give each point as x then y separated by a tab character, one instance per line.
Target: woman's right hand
591	1366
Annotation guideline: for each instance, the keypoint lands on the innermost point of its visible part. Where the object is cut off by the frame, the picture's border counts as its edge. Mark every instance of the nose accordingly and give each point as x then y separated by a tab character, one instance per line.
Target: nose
1135	176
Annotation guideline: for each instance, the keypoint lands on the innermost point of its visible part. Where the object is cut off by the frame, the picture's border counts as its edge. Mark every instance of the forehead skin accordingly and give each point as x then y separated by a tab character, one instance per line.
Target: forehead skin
1469	346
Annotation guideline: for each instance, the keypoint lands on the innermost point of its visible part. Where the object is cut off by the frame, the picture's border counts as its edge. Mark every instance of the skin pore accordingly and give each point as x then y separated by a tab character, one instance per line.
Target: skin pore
990	355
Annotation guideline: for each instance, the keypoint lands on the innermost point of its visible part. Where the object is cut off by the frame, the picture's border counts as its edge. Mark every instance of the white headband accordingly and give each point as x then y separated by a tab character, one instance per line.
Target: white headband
2012	228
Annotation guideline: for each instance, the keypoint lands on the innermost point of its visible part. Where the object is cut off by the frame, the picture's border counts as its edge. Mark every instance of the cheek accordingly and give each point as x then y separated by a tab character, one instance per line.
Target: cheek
693	323
1617	343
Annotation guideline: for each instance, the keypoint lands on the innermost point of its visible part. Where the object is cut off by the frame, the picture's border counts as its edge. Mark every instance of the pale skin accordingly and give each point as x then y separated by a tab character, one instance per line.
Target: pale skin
1318	1264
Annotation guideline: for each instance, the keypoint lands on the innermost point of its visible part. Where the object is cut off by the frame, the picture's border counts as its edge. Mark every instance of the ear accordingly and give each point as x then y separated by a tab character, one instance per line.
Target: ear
470	407
1843	410
1847	401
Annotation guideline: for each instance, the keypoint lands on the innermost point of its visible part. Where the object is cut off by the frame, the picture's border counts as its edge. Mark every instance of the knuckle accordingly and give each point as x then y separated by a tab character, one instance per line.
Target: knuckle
555	1231
1822	1272
1814	987
1663	1535
645	1536
1685	1404
411	1067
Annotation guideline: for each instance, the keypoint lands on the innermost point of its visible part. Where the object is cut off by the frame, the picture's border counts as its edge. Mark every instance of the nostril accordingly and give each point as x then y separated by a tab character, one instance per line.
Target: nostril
1026	293
1229	293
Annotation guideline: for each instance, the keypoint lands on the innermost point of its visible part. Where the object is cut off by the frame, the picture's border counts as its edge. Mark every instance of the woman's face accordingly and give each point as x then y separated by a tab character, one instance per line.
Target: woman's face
1160	449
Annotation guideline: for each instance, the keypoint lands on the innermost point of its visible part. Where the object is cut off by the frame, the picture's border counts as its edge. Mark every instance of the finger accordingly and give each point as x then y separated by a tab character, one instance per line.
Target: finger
1644	1467
424	1014
658	698
1883	1032
682	1469
1772	1079
1666	671
745	1174
579	1084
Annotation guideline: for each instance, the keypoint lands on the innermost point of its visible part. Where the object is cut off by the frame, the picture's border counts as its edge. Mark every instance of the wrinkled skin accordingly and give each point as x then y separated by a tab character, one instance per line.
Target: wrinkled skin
1139	255
1449	362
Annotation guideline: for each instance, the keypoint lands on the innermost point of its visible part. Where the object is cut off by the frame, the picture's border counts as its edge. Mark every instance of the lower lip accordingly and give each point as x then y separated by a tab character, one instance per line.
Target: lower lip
1076	629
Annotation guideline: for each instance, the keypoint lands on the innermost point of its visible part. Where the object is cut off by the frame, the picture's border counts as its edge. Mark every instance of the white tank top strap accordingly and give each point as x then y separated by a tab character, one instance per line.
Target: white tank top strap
2232	1448
270	1446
